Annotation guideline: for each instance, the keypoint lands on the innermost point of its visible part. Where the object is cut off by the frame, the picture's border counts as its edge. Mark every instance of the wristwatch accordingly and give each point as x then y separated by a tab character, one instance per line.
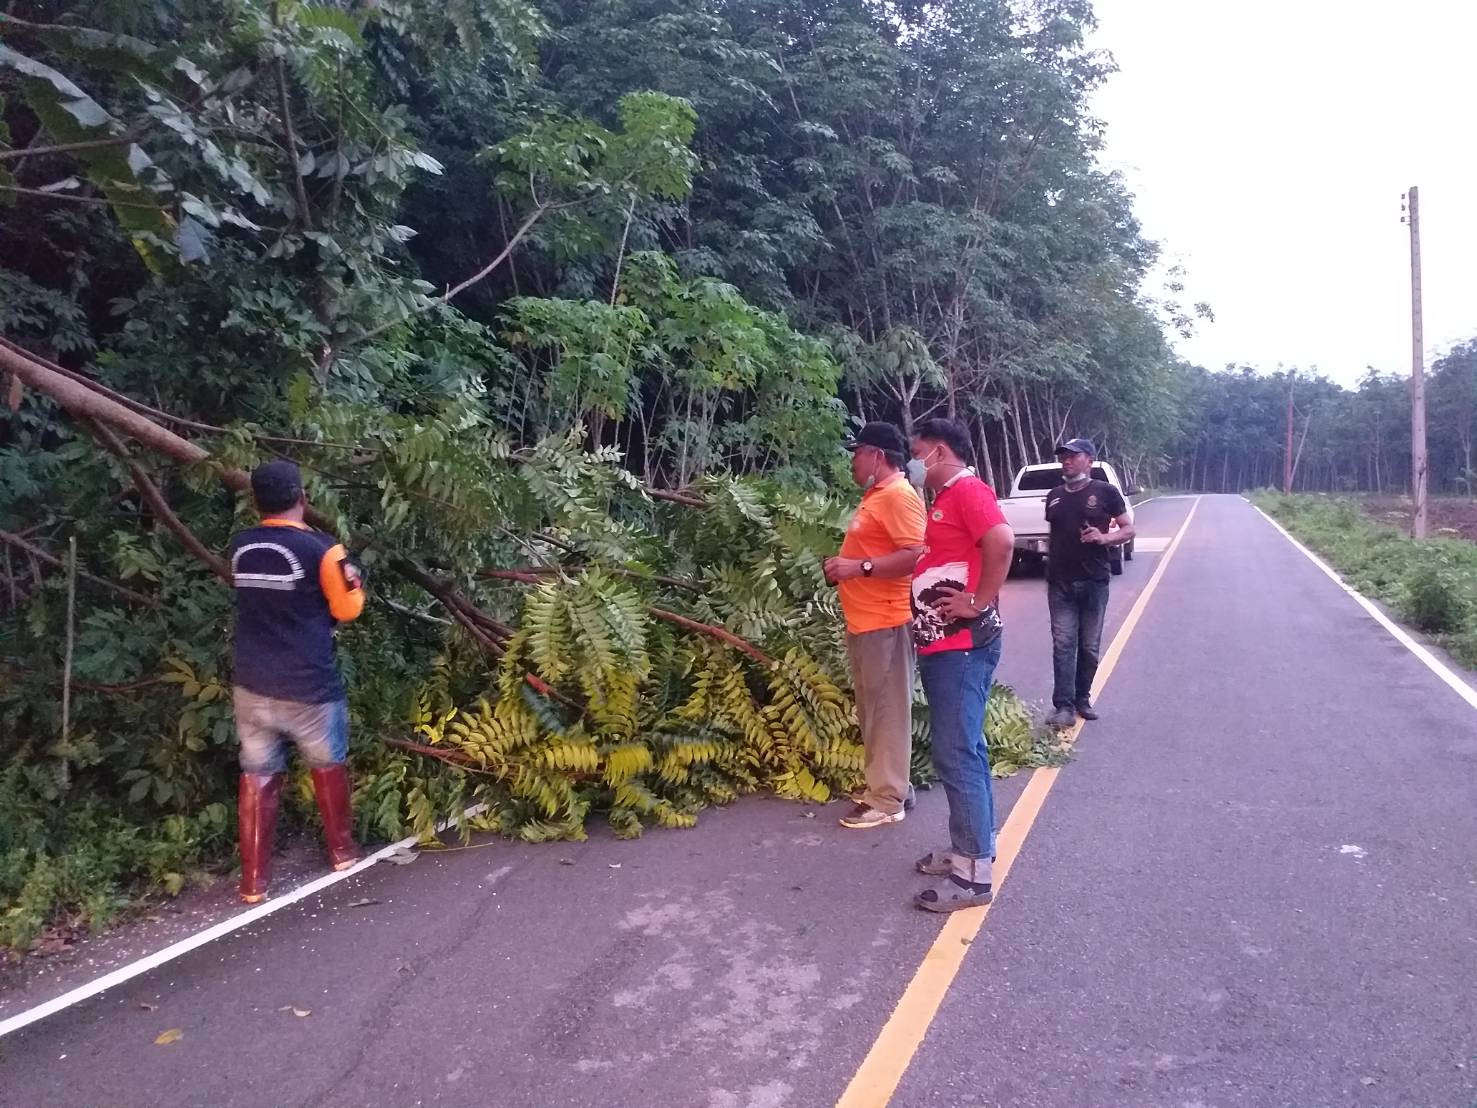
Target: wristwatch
867	567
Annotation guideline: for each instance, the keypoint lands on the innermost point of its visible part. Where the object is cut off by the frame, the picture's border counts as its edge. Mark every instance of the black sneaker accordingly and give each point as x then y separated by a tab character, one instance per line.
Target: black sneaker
1061	718
1086	710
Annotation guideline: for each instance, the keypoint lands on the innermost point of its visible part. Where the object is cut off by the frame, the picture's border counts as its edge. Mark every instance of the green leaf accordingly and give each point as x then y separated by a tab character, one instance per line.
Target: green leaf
87	112
29	67
70	115
347	30
190	237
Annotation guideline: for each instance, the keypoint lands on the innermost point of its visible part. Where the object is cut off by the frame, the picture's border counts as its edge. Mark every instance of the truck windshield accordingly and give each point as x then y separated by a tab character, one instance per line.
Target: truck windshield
1044	480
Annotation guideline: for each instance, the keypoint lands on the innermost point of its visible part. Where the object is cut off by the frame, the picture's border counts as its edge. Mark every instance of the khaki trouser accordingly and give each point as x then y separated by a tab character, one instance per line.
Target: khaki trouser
882	674
266	724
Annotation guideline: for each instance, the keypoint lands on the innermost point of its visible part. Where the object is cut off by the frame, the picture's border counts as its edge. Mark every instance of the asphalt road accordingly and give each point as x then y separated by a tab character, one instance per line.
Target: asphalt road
1257	884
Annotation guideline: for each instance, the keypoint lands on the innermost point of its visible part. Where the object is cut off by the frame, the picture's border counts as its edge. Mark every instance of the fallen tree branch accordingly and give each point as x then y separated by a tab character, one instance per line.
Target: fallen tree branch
719	633
159	414
677	497
454	757
476	623
140	408
103	390
523	576
554	571
41	556
88	403
160	507
453	603
90	406
411	613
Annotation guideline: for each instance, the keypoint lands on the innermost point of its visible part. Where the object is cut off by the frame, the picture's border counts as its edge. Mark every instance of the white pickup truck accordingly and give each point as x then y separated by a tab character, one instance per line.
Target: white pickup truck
1025	509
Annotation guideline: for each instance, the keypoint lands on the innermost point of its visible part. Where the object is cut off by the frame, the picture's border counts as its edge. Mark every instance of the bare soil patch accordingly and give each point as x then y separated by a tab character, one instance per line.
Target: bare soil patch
1451	516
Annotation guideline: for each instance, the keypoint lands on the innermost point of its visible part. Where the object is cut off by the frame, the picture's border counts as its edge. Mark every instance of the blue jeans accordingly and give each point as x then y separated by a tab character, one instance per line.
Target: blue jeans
957	684
1077	609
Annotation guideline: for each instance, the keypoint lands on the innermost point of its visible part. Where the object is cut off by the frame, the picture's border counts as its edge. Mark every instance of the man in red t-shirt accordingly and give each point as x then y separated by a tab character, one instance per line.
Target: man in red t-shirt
957	630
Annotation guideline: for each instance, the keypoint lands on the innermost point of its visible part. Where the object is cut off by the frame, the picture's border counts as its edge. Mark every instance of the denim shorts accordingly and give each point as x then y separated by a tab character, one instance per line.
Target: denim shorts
266	725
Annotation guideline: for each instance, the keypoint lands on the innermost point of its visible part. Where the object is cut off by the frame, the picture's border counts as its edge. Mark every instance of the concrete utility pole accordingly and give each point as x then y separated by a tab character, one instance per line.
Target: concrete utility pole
1417	371
1287	456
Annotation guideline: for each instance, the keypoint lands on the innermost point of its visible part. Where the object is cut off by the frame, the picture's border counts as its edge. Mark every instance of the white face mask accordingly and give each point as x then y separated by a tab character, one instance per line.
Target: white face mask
917	468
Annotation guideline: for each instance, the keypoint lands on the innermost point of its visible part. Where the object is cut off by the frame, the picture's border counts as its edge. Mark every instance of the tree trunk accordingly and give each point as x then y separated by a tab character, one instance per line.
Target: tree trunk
1031	421
984	452
1020	435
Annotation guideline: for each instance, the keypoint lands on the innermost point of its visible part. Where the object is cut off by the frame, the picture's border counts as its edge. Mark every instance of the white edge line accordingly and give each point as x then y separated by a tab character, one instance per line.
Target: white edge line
210	934
1403	637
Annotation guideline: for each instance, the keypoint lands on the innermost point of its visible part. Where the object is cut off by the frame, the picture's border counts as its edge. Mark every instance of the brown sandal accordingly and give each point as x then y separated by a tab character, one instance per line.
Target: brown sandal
936	865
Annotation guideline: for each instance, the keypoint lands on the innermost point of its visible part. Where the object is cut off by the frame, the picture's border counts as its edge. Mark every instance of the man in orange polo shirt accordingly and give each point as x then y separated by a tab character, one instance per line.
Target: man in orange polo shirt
883	542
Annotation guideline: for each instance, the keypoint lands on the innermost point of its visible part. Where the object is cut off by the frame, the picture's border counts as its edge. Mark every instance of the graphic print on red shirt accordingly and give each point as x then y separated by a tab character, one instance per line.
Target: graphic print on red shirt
961	515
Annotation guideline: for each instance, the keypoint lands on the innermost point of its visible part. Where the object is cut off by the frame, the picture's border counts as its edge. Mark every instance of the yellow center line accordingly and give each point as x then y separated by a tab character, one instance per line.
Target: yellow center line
882	1069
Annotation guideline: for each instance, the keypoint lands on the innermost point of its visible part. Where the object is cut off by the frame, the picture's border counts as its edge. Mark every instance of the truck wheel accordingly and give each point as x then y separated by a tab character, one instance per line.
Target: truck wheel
1128	551
1115	565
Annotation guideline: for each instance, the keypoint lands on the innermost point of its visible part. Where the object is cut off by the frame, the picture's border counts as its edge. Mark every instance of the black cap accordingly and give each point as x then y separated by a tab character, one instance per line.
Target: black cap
1078	446
276	485
884	436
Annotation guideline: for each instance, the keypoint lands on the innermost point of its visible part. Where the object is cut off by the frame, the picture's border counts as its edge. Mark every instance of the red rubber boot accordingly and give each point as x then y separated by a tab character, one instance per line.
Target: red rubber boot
256	823
331	787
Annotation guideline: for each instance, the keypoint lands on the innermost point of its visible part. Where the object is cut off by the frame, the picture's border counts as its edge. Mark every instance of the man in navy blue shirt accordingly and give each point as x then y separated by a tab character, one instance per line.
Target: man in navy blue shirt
293	586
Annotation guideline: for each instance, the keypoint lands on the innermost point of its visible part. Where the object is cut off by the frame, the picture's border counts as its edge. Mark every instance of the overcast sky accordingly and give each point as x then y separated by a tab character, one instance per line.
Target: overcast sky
1268	144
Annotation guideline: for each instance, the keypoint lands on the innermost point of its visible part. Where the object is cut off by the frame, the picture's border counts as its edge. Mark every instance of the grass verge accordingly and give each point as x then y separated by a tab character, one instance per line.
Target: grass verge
1431	584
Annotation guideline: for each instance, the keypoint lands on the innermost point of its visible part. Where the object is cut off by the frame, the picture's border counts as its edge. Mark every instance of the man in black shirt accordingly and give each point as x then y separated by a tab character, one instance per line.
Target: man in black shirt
1078	512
